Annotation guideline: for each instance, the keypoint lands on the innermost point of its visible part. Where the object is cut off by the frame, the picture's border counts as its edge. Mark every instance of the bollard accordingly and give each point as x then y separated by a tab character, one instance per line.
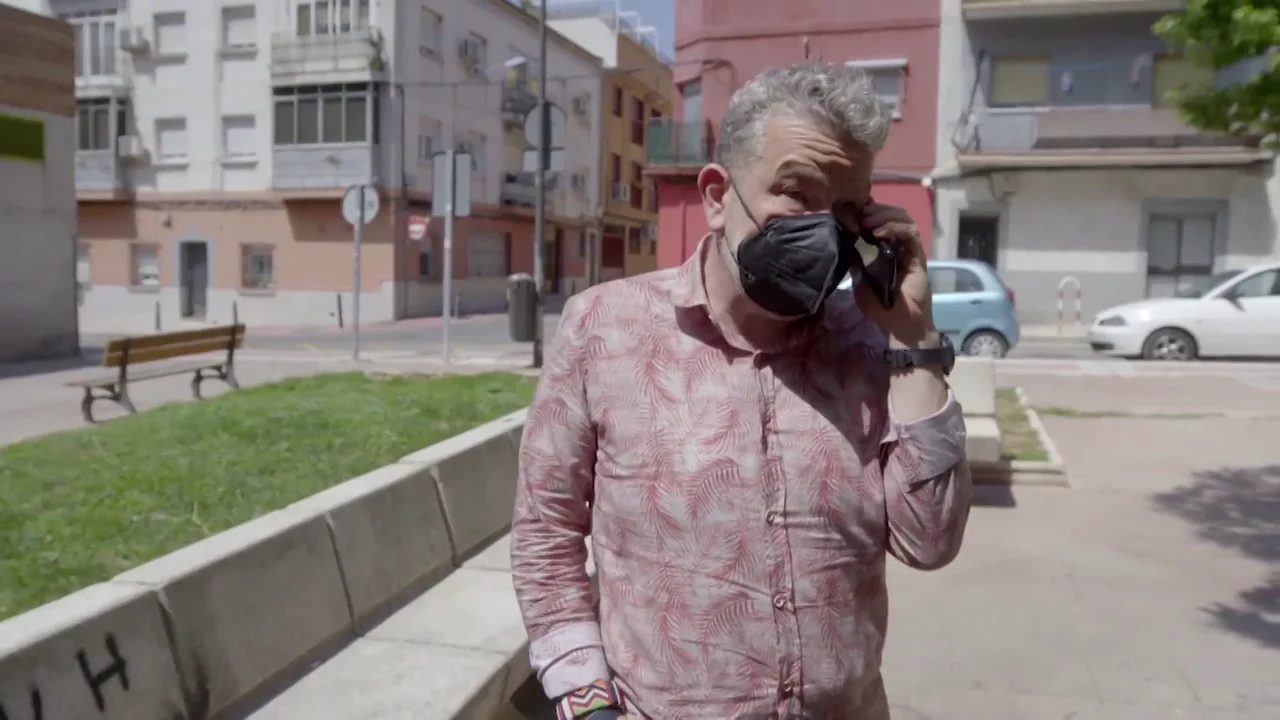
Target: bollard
522	307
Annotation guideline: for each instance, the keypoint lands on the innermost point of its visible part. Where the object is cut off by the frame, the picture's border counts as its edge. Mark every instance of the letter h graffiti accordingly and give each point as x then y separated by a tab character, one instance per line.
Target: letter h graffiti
117	668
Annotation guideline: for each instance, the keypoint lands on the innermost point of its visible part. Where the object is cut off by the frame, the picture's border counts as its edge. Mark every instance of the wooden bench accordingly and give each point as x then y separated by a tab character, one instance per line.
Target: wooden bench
125	353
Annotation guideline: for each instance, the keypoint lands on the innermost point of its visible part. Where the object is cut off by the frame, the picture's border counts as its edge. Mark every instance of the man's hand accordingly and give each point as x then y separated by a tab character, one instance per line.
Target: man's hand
910	320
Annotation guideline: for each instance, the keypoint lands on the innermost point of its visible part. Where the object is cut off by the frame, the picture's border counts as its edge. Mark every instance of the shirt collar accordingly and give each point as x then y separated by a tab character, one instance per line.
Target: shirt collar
690	293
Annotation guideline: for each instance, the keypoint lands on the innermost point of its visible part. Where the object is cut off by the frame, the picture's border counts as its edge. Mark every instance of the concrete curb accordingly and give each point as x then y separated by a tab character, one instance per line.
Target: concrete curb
212	629
1033	418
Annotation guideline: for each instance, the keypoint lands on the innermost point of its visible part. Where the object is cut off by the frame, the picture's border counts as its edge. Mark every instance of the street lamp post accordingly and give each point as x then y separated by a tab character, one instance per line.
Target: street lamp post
540	188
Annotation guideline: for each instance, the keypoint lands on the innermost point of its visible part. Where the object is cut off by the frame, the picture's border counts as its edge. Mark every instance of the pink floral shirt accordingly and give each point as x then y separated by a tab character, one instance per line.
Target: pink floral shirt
739	506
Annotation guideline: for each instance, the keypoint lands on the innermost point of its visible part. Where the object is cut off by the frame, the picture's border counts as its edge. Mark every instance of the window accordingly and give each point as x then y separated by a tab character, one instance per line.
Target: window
239	28
487	254
887	82
171	139
170	33
257	267
239	137
1180	252
424	264
1171	74
84	272
618	101
431	29
634	245
476	60
145	261
94	129
428	138
1264	284
478	145
945	280
95	38
615	168
637	173
1018	81
655	114
330	17
313	115
691	100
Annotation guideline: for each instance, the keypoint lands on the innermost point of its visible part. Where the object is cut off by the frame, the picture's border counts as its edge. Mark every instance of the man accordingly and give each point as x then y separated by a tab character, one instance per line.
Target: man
742	444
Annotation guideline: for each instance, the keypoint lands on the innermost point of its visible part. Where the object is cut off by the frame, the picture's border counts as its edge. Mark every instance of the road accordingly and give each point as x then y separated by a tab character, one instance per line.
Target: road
488	336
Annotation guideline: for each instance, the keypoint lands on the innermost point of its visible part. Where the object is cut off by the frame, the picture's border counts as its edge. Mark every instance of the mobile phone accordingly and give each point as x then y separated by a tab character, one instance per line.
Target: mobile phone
878	262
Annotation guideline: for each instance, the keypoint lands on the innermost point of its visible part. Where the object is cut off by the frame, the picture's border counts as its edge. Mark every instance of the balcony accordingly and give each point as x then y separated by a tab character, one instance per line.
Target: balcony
1129	135
102	86
355	56
325	167
1008	9
518	190
100	171
517	100
677	145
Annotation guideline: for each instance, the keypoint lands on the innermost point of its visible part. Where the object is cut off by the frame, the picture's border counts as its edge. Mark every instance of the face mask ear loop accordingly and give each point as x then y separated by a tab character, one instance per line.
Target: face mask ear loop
743	203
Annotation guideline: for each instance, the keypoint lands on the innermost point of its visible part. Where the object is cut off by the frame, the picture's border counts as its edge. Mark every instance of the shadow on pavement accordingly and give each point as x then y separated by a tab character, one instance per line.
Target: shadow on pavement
994	496
1238	509
88	357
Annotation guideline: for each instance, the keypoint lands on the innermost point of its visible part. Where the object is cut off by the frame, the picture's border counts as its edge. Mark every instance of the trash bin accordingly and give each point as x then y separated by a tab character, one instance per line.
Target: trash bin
522	306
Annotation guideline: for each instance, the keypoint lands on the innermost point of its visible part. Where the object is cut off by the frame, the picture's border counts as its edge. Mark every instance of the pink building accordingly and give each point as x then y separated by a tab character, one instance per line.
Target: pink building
720	44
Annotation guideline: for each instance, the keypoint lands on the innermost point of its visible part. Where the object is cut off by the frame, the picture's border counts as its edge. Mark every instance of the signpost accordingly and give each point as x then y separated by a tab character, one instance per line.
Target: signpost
451	197
360	204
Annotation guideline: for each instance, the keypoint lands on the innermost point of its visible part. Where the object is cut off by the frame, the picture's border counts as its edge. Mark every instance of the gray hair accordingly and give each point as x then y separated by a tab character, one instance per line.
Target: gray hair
838	98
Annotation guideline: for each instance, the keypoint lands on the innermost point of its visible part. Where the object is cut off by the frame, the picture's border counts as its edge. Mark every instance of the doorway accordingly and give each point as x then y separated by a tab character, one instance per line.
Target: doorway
978	238
193	278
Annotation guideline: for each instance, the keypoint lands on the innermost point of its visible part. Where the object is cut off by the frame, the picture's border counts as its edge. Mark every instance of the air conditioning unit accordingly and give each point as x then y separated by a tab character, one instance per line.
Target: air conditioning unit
129	147
582	105
134	40
469	53
621	191
579	182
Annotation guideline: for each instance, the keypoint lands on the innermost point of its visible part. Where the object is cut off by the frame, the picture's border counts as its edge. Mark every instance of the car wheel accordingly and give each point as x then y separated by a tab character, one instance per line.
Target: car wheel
985	343
1170	344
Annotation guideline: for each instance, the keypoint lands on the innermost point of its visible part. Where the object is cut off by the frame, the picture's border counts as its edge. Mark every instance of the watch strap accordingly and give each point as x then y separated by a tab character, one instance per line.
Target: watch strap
599	695
943	356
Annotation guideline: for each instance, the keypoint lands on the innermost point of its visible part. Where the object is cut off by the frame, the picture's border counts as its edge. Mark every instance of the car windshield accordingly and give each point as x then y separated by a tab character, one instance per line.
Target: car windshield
1199	287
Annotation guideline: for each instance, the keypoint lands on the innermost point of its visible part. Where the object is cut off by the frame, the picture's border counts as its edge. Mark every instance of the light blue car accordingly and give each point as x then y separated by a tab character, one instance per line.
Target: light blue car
971	306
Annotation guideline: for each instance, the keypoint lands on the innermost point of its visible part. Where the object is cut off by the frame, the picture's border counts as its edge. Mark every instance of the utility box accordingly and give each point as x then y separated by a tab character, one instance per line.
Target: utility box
522	307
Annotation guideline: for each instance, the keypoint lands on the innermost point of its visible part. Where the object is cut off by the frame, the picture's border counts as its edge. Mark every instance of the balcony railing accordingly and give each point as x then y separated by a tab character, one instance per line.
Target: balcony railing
1023	130
517	100
1000	9
100	171
341	57
674	143
518	189
308	167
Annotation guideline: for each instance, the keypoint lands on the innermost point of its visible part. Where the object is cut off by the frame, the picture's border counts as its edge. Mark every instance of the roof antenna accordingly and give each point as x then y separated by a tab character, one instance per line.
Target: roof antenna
806	47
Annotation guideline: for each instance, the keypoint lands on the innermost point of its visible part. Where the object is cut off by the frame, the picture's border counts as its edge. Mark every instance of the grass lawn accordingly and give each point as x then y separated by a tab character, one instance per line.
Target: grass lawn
1019	440
80	507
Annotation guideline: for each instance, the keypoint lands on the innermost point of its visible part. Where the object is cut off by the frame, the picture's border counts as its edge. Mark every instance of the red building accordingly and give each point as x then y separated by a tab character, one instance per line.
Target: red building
720	44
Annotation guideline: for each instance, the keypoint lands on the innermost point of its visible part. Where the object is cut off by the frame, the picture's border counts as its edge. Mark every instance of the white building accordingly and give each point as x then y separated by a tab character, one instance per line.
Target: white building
37	192
215	141
1060	157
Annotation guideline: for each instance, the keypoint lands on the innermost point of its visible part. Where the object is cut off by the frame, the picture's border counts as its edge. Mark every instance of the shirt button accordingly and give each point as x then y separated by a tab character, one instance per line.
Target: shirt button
780	601
788	690
771	517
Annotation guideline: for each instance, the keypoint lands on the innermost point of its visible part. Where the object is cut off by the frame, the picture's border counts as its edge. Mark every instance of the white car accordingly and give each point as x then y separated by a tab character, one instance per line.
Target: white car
1231	314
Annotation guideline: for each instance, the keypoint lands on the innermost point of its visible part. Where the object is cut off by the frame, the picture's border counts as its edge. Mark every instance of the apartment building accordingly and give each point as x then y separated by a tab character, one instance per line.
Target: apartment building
37	192
1062	162
637	89
214	142
721	45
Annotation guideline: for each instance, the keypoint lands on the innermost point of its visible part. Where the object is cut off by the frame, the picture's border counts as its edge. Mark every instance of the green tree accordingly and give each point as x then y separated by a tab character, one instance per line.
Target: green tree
1219	34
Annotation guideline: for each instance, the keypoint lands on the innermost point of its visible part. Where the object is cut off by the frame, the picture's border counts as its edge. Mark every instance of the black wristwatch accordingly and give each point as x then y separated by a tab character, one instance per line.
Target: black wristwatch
944	355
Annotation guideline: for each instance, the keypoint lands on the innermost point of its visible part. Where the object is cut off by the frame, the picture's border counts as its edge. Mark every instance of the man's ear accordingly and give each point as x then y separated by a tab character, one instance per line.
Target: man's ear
713	186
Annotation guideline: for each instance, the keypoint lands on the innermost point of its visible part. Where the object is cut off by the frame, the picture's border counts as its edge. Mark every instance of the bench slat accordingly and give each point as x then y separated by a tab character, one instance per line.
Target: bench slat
165	352
145	342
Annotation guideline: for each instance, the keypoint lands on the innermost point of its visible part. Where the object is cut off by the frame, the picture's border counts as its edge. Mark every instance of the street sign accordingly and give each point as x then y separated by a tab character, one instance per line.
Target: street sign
417	227
557	125
353	198
456	188
556	163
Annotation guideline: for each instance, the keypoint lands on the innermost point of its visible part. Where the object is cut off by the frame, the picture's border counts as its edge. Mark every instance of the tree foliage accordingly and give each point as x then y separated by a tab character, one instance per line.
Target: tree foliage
1240	37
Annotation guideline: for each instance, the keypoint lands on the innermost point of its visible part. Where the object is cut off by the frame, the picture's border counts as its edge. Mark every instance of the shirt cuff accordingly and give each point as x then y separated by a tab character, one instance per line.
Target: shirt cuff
569	658
935	443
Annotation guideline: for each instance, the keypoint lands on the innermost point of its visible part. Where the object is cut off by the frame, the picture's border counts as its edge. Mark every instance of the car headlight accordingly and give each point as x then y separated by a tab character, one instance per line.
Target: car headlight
1112	321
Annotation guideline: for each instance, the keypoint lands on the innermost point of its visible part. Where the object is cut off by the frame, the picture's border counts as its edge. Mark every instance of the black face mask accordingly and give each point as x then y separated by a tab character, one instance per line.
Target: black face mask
793	263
